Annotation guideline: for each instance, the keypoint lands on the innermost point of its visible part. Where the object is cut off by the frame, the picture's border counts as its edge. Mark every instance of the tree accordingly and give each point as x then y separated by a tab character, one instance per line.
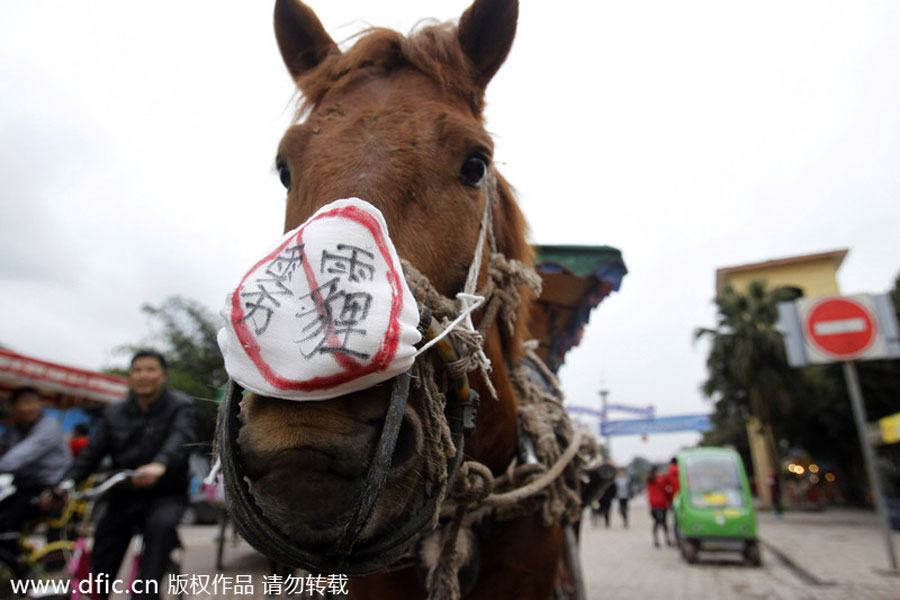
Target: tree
880	379
806	408
748	374
185	332
639	469
729	428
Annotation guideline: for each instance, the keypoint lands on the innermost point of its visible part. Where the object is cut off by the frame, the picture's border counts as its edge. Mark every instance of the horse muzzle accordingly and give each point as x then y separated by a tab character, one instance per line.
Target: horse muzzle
345	532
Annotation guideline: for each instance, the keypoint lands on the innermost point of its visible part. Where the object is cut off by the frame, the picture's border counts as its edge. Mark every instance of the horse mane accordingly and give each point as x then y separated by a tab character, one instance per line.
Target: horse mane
511	232
434	50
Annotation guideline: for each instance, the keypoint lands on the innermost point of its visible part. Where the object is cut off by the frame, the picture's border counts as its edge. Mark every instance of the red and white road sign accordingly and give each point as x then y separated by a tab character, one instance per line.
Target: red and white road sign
846	328
841	328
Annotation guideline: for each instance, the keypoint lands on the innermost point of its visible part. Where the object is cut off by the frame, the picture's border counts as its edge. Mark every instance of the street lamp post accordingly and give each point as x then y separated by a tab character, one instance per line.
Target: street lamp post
604	419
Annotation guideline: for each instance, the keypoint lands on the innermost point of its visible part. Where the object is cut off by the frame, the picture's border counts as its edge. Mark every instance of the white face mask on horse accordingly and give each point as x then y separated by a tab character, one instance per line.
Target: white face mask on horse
327	312
324	313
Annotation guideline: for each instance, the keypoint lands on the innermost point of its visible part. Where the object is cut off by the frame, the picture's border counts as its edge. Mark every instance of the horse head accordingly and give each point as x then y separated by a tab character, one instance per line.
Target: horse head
397	122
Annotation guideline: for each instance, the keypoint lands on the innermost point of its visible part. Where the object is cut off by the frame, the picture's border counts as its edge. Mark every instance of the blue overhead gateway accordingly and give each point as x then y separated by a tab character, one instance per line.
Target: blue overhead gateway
698	422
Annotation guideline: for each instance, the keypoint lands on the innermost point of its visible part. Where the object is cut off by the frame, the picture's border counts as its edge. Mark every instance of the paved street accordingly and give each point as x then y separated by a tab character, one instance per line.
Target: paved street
835	554
824	555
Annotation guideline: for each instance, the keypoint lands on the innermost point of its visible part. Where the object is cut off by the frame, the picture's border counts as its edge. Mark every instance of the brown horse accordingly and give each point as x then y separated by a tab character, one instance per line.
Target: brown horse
398	122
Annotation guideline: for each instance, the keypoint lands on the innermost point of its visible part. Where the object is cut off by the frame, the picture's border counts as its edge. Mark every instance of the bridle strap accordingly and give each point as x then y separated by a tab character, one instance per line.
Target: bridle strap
378	470
360	558
249	520
347	555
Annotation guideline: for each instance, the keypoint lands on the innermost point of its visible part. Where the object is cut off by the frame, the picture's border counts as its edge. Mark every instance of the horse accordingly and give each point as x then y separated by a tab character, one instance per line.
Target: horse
447	481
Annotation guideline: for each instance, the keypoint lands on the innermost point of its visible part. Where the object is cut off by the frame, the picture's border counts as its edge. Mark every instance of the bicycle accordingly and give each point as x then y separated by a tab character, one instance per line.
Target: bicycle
69	583
36	562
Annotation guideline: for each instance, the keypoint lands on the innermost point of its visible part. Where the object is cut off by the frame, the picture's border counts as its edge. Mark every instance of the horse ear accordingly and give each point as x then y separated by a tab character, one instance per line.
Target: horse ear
486	31
302	40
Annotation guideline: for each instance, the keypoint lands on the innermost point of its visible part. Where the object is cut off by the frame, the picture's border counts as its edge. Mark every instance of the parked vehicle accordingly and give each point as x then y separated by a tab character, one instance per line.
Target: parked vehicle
713	508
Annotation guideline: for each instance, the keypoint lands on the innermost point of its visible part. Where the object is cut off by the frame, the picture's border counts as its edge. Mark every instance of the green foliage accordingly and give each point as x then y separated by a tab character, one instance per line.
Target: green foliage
806	408
639	468
729	423
747	367
185	332
189	337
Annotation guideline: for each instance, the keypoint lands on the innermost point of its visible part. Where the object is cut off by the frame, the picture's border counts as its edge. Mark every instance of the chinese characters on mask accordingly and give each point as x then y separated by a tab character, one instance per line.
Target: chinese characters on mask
332	316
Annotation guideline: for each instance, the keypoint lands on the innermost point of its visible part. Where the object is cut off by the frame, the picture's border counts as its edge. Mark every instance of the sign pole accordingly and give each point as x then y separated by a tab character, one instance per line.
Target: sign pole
859	414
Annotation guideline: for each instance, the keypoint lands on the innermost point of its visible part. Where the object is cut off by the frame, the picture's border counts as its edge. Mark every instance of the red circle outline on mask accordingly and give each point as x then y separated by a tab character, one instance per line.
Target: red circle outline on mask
351	368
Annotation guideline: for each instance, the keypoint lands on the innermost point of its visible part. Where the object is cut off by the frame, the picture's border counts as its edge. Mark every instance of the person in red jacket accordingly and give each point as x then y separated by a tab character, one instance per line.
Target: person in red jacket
672	486
656	496
672	483
79	438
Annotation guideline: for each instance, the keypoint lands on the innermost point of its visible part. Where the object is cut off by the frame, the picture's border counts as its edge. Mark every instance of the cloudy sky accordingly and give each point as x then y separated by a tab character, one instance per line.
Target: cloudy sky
137	140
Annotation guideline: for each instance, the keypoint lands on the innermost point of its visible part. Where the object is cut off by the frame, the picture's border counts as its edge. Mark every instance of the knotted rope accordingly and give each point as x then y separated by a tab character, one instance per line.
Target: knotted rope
542	415
476	494
506	279
550	485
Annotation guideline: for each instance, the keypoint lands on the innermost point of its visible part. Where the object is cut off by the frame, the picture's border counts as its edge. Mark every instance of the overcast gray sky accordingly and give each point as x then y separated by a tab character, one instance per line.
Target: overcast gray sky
138	139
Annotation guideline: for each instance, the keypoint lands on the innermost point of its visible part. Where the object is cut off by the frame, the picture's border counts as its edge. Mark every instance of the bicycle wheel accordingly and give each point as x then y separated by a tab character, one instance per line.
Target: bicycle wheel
48	570
53	558
7	575
168	587
11	570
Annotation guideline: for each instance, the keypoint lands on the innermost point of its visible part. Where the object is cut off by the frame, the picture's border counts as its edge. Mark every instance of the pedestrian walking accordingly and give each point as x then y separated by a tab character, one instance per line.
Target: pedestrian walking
605	503
623	494
672	486
775	492
656	496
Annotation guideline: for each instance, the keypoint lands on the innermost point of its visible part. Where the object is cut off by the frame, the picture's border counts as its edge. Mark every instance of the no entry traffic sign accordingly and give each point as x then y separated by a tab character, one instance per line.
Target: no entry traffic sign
840	327
845	329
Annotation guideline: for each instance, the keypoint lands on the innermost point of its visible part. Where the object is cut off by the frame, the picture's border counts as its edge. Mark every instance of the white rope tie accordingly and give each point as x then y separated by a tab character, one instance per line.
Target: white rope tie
475	267
213	476
468	293
465	315
469	301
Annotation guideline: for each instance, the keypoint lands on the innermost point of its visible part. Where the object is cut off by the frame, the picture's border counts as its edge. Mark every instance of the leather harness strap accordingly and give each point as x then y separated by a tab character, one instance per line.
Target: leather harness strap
347	555
378	470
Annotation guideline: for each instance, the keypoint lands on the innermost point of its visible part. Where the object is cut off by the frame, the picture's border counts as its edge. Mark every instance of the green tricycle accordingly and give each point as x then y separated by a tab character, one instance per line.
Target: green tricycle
713	507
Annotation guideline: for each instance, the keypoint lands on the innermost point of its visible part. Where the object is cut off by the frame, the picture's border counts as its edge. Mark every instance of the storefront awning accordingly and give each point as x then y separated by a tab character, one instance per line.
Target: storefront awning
79	385
575	280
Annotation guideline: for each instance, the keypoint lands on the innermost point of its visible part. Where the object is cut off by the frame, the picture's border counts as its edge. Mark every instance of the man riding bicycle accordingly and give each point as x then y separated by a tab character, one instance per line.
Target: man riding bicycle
33	450
148	432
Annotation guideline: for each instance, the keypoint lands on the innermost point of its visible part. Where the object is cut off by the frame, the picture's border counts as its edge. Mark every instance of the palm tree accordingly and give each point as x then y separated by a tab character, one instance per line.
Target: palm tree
748	374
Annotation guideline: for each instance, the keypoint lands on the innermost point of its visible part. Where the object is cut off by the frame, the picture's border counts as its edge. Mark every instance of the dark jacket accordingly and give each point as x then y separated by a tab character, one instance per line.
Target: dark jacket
132	439
609	494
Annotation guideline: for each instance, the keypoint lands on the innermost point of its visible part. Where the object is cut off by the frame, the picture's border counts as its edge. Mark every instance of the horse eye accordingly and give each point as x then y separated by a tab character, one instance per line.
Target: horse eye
473	170
284	174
